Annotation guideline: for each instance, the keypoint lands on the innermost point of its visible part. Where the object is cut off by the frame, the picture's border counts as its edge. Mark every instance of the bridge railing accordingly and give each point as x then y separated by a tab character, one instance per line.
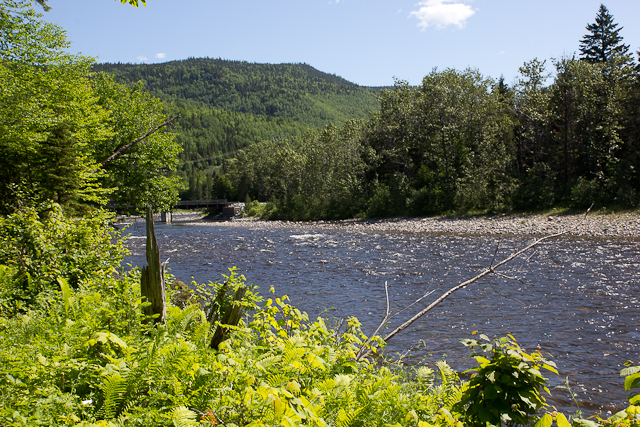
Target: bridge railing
196	204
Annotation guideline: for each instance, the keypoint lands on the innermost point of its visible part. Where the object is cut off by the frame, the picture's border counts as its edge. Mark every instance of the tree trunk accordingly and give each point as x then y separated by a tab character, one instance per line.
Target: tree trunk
152	277
229	318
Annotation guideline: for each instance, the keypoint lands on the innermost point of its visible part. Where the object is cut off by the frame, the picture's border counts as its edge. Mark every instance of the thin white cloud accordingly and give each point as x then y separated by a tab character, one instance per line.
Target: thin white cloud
141	58
442	13
161	55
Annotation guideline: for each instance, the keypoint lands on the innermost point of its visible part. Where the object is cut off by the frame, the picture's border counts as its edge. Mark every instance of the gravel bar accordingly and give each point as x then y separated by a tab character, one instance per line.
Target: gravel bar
625	225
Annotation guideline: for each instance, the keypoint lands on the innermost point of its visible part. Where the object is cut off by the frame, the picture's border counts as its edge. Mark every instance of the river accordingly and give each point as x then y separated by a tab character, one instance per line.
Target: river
576	300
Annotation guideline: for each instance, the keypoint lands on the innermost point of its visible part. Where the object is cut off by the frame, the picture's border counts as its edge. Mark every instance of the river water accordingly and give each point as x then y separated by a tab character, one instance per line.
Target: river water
576	300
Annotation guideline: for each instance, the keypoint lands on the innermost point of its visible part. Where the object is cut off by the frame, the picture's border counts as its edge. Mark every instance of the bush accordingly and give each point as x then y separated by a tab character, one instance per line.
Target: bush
85	357
39	245
506	388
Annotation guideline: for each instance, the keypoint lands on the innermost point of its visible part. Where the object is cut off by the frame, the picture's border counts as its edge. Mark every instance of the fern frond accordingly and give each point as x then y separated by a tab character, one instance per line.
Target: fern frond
184	417
345	419
201	334
181	322
68	298
277	380
268	360
113	389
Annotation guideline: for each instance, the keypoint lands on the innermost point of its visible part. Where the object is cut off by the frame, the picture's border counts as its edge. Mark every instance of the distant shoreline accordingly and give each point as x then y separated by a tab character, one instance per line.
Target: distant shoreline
625	225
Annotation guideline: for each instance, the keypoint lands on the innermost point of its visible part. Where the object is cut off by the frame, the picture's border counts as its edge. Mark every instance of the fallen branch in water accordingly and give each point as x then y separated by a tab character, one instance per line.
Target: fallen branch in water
491	269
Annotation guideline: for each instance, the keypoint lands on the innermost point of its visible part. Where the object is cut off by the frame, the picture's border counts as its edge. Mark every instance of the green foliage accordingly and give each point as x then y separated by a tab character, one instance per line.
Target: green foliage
81	352
604	40
84	355
278	367
629	417
145	174
40	245
229	105
631	376
59	123
505	389
316	176
461	142
48	115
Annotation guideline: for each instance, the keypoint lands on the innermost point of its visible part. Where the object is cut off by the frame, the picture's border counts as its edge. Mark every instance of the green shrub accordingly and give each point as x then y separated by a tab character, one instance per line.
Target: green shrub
40	244
85	356
505	388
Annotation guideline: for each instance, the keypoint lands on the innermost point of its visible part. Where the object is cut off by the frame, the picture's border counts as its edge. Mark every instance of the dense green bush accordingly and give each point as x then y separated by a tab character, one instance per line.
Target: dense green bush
505	388
39	245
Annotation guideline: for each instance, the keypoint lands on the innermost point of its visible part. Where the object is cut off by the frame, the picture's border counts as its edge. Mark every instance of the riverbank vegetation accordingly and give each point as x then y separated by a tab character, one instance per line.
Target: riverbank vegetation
564	134
76	349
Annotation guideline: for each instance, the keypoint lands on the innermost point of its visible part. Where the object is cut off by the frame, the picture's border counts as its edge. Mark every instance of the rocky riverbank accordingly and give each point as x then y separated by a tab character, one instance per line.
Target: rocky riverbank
591	225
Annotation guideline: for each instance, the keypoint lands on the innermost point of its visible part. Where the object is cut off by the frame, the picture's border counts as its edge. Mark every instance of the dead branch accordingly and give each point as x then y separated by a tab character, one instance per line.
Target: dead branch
125	147
504	276
384	321
426	294
491	269
387	318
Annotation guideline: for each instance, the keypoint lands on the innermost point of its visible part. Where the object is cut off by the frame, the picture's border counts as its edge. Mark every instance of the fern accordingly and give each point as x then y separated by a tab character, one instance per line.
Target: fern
345	419
267	361
201	335
276	380
67	298
113	388
183	417
181	322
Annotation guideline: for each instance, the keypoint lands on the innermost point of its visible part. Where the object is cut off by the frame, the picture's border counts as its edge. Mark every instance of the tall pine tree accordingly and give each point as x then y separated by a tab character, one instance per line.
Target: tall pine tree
604	40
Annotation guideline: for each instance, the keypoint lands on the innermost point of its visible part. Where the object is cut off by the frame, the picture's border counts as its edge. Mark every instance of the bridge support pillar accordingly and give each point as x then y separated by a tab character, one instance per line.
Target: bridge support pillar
165	217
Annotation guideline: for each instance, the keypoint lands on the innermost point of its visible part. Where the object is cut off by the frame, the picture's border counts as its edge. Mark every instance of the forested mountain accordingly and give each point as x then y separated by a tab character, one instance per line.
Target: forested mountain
293	91
227	105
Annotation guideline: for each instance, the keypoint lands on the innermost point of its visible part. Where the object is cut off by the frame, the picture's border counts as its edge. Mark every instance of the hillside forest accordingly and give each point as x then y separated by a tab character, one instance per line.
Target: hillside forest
564	133
228	105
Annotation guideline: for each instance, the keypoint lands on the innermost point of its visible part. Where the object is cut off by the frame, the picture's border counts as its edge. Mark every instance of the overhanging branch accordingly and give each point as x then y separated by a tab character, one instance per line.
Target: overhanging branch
124	148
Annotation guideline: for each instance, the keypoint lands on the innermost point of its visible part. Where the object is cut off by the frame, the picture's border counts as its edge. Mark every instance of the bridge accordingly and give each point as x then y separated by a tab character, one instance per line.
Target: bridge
199	204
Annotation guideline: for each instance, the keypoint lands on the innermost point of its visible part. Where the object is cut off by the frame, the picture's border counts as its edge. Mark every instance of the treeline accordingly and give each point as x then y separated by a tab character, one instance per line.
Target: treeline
462	142
227	105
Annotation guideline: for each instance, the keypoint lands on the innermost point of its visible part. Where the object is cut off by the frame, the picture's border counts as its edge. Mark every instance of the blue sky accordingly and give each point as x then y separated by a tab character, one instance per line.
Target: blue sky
368	42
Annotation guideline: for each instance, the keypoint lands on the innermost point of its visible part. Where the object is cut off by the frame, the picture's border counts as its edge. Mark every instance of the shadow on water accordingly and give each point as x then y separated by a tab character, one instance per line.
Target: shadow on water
576	299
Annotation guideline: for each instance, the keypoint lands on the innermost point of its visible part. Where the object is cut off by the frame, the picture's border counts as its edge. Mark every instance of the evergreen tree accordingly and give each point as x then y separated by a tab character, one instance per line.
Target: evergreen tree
603	40
58	166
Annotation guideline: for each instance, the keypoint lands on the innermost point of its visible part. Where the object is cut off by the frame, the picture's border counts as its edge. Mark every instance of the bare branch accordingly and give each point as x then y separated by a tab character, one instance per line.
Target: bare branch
489	270
125	147
426	294
384	321
512	278
495	254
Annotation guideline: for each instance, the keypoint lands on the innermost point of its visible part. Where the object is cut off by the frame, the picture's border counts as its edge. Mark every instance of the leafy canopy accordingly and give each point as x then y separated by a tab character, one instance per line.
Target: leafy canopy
59	121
